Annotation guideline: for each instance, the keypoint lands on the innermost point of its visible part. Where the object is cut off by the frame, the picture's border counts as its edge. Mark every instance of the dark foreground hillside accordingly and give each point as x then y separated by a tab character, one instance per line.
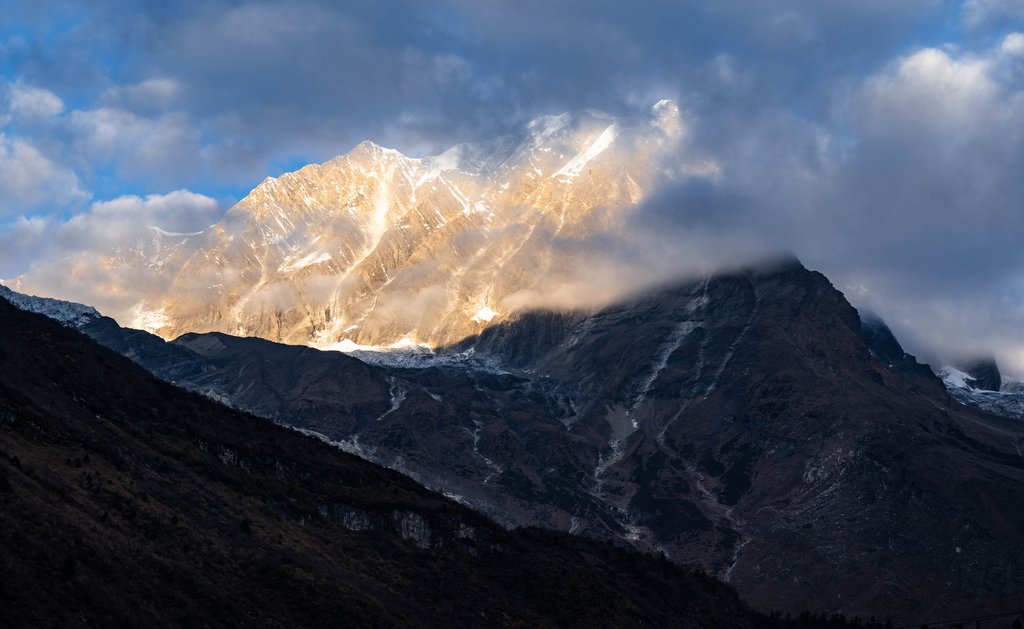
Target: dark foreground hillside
125	502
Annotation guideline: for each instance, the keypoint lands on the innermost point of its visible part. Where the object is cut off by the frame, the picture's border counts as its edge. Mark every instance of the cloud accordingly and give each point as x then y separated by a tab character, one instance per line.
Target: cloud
153	95
33	103
908	196
23	239
977	14
31	181
1013	45
105	227
158	148
109	225
935	180
316	77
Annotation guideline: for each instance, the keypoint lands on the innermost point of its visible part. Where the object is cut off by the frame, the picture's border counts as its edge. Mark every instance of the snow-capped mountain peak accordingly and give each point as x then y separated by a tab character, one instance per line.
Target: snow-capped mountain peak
374	246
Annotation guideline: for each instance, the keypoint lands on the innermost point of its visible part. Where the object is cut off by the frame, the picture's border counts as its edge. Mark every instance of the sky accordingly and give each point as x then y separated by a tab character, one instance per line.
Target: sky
881	141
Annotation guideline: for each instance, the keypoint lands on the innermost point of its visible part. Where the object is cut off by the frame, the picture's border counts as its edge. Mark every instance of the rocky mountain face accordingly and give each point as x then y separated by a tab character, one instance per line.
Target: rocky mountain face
125	501
741	424
375	248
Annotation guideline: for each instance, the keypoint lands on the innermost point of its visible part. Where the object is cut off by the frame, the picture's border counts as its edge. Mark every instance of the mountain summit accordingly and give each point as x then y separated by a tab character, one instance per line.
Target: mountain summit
377	248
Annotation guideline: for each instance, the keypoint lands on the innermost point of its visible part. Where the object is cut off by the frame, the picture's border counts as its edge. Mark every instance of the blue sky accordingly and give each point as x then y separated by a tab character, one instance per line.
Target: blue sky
881	140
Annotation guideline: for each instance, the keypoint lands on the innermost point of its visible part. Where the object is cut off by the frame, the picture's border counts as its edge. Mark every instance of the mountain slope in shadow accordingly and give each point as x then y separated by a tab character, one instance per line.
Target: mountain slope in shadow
127	502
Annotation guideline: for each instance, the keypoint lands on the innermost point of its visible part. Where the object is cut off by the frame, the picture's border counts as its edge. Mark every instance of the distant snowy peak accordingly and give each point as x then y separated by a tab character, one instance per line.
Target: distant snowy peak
67	313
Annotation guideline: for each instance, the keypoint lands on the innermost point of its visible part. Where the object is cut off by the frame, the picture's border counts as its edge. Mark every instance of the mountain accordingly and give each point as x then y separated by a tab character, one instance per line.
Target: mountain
984	374
979	389
376	248
977	383
127	502
741	424
745	421
751	424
